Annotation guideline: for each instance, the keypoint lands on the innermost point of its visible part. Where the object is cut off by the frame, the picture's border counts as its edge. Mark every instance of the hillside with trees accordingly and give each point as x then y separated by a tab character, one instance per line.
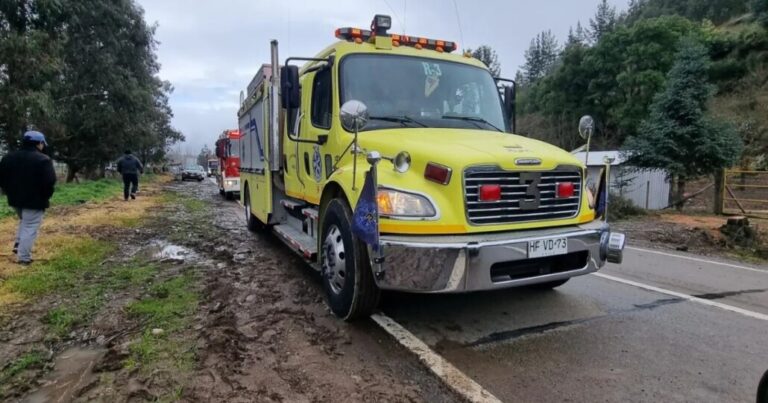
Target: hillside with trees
625	69
85	73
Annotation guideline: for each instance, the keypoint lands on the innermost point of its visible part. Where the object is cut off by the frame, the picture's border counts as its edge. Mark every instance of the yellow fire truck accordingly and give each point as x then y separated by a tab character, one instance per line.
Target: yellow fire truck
388	163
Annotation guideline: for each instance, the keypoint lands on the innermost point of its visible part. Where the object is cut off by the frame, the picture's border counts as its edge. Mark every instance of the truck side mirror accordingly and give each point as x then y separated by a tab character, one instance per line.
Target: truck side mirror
509	106
290	94
289	87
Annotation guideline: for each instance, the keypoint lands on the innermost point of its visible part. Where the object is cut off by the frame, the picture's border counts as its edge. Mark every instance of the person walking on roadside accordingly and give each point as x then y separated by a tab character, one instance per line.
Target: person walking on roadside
130	167
27	177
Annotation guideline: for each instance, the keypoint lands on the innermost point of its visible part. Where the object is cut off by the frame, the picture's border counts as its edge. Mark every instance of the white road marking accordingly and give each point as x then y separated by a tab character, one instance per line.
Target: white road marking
448	374
698	260
731	308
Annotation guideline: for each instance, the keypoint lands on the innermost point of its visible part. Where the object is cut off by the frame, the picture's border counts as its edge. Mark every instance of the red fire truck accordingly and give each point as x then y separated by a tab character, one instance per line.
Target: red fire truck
228	175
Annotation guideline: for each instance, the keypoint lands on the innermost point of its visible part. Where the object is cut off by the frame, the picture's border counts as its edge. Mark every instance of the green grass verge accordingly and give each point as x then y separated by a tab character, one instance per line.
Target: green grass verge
69	194
63	271
27	361
168	306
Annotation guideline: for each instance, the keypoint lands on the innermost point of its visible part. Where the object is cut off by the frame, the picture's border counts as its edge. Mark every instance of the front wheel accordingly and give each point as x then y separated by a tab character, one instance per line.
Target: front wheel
346	270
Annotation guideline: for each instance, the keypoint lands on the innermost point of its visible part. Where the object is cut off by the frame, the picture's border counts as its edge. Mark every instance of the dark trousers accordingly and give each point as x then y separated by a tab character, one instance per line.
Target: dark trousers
130	181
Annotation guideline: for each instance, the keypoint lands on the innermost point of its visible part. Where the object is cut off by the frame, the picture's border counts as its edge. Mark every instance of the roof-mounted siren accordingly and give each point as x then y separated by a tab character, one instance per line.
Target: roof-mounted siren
379	27
381	24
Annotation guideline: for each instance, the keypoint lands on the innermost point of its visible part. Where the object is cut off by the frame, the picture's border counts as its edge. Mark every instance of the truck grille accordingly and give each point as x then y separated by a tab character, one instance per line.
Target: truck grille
513	191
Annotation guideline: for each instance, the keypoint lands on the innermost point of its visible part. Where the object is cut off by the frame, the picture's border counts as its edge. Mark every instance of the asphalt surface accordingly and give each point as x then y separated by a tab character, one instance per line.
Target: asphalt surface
598	340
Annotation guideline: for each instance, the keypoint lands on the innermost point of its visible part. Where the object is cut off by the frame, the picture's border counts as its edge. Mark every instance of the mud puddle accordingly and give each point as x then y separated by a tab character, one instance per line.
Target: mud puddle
72	374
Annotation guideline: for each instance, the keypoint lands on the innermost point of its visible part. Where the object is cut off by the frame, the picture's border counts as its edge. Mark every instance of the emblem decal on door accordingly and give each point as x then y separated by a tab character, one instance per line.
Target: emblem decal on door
317	164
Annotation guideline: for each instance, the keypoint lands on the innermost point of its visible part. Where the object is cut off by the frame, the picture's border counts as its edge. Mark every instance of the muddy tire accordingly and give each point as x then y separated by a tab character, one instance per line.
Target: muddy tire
229	195
346	271
254	224
548	285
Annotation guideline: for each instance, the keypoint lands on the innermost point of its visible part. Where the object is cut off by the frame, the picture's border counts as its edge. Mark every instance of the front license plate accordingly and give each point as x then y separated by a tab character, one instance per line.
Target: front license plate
548	247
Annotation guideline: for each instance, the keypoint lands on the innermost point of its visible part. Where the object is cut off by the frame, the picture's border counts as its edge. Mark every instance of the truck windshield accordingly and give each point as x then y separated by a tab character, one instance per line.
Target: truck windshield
403	91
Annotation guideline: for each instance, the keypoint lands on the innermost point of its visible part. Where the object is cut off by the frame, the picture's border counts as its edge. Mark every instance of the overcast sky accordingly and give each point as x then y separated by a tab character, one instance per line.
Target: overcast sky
210	49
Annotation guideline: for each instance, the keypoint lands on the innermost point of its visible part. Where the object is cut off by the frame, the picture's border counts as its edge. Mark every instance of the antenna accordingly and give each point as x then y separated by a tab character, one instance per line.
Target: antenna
395	13
458	20
405	13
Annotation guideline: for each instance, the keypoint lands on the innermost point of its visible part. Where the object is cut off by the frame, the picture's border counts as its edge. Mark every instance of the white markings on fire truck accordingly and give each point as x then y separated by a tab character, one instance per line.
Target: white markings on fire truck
448	374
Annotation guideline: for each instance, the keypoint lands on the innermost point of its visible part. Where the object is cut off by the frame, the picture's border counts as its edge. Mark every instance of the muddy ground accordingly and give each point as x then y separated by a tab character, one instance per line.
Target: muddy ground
696	233
260	330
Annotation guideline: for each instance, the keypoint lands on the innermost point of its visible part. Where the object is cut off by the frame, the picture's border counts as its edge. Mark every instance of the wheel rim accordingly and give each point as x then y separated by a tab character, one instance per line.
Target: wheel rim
247	208
334	260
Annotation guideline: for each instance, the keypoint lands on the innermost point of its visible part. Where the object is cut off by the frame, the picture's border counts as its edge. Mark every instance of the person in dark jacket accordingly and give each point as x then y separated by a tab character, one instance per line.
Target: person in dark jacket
130	167
27	177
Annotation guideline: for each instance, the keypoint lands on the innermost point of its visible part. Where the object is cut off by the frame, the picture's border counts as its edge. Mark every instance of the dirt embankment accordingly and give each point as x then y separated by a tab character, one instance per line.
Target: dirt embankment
196	308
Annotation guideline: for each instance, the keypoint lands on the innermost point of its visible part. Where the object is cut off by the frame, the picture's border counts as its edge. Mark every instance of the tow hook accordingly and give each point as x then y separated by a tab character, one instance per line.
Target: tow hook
612	246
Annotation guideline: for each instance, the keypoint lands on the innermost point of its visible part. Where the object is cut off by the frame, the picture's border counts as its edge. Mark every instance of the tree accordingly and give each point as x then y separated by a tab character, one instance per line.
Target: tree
488	56
604	20
615	80
678	135
85	73
760	10
717	11
29	64
541	57
202	158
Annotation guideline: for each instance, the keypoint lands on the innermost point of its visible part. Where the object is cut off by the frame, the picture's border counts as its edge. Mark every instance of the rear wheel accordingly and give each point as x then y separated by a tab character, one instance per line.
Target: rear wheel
346	270
253	223
548	285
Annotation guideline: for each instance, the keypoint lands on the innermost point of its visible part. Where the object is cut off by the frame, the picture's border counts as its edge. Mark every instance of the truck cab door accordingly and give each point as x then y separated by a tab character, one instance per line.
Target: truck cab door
315	123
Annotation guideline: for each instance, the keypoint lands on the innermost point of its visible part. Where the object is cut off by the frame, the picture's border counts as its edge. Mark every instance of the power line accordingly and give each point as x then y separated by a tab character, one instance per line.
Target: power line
458	20
394	12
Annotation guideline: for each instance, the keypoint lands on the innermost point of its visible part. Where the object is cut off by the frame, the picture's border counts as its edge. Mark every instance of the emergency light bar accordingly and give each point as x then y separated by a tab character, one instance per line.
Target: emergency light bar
379	27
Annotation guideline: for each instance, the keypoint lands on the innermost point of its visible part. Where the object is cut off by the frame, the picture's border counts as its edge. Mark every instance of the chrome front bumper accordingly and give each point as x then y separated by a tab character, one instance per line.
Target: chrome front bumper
451	264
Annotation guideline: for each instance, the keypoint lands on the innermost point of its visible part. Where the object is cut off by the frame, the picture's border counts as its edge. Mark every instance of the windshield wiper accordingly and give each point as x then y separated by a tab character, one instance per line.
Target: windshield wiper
403	119
473	119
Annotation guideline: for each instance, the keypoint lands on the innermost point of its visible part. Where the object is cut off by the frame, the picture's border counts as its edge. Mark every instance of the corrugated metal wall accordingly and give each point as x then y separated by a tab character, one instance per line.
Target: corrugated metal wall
645	189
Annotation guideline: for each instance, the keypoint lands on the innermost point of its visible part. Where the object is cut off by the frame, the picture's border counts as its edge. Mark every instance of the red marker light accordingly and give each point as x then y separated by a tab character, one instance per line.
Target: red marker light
437	173
565	190
490	193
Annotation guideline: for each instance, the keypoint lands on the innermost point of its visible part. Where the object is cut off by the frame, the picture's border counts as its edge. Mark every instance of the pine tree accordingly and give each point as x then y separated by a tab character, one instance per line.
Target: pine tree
541	57
604	21
678	135
760	10
488	56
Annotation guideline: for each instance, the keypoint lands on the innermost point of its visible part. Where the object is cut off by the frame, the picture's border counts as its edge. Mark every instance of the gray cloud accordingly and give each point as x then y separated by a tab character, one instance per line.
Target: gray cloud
209	50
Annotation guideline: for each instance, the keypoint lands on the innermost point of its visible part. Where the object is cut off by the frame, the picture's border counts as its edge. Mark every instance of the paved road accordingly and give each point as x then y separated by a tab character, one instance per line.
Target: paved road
596	339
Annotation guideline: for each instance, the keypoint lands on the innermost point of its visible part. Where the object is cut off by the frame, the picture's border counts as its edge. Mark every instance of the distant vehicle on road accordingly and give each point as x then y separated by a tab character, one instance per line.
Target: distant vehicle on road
213	167
228	175
193	172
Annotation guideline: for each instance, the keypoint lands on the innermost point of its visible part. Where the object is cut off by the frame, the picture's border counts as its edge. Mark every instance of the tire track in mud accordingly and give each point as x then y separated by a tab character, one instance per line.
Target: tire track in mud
265	333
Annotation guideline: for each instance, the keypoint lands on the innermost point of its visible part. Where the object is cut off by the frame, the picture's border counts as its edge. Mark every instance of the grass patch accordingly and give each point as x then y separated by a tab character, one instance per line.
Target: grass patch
168	306
70	194
30	360
91	296
61	272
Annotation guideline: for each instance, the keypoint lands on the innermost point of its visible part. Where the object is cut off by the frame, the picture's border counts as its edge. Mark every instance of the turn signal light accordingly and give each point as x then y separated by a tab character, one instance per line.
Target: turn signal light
437	173
565	190
490	193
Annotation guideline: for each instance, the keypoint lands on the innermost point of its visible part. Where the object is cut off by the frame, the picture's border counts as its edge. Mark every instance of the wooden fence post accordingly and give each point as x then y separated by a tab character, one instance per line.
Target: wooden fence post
719	191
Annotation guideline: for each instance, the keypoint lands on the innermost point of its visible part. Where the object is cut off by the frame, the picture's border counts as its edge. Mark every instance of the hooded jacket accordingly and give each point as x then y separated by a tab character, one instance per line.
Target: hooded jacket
28	178
129	165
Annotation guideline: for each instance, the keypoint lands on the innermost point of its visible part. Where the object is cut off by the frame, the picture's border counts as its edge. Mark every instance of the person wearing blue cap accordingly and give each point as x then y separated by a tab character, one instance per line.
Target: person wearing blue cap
27	177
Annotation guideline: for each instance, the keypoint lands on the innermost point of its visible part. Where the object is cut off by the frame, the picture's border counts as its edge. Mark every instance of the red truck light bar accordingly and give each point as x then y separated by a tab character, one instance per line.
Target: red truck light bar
359	35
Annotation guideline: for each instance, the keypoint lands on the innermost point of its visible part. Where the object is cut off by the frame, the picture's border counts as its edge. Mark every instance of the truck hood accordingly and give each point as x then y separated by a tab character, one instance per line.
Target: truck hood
459	148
